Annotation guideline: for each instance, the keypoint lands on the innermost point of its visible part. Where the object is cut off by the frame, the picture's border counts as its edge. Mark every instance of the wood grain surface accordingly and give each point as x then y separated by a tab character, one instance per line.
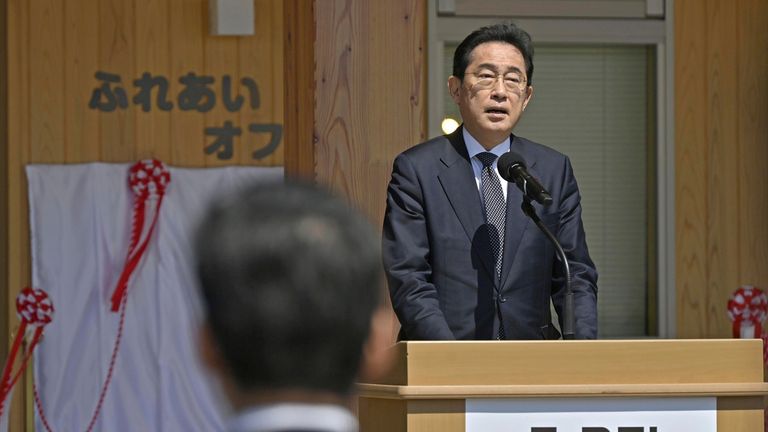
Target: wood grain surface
721	146
369	96
601	362
436	377
299	91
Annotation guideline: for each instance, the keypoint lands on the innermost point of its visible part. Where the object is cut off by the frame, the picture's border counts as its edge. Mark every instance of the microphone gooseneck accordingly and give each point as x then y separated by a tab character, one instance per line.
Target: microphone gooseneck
512	168
568	309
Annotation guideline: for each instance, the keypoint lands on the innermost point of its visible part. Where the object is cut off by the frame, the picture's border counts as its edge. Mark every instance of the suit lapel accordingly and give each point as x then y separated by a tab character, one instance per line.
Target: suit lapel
458	182
516	222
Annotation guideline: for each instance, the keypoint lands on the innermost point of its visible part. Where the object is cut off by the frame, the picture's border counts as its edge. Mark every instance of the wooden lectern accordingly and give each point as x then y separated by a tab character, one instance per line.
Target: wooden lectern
431	381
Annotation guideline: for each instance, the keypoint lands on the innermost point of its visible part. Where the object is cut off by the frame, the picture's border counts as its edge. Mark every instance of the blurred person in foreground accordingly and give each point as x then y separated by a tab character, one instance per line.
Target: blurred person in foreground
290	278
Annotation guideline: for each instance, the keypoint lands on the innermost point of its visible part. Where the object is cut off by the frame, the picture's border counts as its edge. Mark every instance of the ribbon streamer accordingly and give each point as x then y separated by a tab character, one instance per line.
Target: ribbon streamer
148	180
35	310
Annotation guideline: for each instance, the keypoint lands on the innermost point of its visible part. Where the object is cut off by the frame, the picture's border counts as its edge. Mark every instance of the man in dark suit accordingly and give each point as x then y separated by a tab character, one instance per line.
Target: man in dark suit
462	260
290	278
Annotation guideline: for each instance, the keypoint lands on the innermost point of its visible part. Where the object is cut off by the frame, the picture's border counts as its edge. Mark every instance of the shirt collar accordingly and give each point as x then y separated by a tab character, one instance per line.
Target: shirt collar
293	416
474	147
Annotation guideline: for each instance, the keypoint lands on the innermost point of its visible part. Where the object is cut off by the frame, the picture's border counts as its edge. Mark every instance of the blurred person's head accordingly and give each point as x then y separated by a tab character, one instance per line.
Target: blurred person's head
290	278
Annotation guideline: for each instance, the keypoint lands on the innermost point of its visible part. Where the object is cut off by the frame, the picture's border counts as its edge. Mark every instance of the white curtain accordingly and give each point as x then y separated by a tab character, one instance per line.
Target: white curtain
80	217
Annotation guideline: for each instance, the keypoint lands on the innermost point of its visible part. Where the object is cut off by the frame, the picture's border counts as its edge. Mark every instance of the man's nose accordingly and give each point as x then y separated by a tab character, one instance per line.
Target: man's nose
499	91
498	87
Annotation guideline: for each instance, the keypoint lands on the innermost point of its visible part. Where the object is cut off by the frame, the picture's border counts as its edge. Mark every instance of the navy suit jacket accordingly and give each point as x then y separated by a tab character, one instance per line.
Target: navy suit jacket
437	255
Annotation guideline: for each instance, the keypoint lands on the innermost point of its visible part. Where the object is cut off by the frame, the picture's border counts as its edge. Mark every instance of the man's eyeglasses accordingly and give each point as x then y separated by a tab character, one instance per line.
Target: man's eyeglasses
512	82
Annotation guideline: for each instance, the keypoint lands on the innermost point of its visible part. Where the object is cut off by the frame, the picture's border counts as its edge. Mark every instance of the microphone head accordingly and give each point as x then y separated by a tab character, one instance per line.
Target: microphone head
507	161
512	169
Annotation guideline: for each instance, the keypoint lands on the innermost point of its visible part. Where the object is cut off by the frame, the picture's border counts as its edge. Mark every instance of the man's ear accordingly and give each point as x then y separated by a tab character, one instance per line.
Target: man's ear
454	86
528	96
378	357
209	350
212	359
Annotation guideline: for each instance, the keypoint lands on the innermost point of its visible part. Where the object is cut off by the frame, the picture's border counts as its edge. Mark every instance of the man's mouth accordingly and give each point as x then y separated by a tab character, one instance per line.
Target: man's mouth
496	111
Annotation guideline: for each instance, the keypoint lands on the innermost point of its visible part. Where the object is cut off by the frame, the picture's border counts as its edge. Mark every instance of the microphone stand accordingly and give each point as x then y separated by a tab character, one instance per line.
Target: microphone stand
568	315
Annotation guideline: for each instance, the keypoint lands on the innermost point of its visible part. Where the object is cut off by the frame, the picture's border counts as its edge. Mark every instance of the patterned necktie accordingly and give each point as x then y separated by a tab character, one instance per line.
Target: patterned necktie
495	215
495	206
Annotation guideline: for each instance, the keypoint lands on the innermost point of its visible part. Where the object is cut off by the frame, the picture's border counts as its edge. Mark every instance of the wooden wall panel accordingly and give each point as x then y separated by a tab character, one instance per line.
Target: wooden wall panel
17	150
340	54
262	59
752	45
116	56
369	97
51	52
46	91
690	183
370	102
81	61
3	163
397	110
723	150
151	39
721	145
299	91
187	29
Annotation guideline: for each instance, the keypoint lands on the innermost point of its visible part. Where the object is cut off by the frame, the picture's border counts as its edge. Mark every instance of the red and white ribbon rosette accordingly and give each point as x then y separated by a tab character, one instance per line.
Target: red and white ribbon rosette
748	309
35	310
148	180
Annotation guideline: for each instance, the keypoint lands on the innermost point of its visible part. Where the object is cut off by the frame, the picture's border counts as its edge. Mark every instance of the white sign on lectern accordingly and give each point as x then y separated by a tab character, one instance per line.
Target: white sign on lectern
591	415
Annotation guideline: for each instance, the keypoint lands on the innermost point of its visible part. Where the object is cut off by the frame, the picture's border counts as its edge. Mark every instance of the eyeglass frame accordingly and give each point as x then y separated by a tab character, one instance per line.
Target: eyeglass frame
522	85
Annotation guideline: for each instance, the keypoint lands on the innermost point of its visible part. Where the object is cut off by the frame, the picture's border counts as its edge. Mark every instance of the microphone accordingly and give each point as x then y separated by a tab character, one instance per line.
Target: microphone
512	169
